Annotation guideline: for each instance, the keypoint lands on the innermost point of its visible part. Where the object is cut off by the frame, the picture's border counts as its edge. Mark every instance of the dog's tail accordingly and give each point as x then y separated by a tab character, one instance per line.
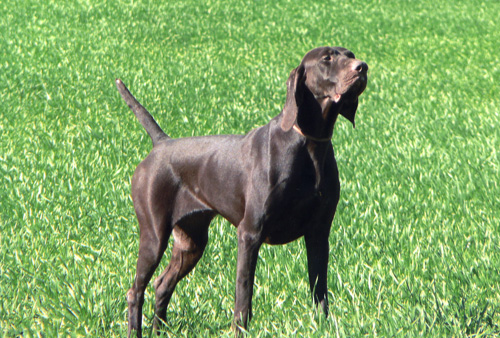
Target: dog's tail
147	121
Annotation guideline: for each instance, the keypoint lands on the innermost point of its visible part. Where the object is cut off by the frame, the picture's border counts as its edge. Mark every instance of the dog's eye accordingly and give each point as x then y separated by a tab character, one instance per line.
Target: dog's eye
327	58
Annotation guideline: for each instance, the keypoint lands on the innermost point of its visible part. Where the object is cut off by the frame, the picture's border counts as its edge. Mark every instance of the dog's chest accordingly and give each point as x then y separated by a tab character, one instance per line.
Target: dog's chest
293	219
294	210
304	199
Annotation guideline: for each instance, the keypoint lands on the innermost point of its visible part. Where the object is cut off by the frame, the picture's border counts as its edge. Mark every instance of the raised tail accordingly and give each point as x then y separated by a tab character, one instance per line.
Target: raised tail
147	121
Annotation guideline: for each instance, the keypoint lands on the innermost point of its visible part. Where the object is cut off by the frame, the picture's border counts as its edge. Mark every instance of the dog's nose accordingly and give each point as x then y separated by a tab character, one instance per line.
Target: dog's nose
360	66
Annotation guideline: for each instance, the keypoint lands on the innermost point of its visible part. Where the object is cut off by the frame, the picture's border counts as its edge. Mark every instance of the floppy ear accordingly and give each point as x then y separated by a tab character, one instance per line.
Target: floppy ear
294	94
349	111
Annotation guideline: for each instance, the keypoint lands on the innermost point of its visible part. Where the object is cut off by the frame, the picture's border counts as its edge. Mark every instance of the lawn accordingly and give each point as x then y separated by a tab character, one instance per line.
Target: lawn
415	244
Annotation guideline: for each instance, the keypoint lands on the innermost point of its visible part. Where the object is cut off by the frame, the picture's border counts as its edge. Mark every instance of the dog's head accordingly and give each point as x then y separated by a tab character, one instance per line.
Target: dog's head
330	75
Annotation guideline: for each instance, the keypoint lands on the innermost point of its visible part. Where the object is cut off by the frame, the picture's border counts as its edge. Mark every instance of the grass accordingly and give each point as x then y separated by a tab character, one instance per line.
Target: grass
415	248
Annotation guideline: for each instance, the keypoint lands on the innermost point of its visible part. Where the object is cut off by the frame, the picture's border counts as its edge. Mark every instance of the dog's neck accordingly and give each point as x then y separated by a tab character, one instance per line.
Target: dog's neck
316	118
309	137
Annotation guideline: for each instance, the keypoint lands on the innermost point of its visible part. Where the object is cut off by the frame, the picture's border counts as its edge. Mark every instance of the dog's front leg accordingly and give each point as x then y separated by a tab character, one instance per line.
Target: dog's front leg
248	250
317	264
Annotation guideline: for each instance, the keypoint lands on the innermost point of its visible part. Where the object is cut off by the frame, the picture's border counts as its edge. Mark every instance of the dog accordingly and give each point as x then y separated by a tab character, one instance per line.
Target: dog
277	183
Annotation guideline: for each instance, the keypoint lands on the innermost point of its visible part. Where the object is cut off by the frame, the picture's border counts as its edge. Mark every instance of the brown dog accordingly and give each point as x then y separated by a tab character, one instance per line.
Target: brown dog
277	183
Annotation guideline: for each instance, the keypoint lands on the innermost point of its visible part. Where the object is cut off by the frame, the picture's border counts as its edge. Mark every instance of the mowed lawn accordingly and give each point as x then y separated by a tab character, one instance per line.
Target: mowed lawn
415	244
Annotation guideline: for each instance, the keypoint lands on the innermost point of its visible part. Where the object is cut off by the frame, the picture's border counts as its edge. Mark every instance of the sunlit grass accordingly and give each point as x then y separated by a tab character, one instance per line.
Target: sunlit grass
415	243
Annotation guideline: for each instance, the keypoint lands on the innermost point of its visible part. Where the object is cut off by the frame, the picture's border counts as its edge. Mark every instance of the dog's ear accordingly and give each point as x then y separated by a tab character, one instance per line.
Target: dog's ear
349	111
294	97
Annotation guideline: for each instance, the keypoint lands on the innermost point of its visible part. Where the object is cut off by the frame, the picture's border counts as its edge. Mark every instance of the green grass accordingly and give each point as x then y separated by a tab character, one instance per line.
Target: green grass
415	247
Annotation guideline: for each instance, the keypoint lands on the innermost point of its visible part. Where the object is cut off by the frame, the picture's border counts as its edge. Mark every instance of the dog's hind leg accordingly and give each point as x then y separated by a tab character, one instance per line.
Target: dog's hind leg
151	250
154	216
190	239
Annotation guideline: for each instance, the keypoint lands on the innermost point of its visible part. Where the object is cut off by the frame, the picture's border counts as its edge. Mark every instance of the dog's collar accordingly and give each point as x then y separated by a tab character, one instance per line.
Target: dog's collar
312	138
